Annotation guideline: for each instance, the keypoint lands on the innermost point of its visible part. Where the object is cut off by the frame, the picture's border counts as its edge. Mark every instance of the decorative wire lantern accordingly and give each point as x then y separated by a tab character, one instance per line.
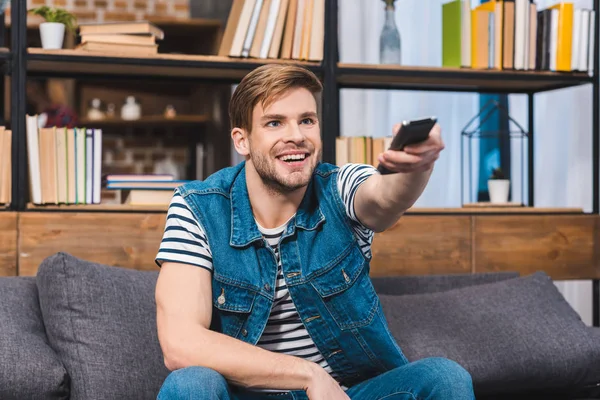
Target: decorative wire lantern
469	133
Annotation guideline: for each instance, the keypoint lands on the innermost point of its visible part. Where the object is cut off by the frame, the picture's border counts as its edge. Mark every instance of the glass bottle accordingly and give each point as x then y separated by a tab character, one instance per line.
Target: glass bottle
389	40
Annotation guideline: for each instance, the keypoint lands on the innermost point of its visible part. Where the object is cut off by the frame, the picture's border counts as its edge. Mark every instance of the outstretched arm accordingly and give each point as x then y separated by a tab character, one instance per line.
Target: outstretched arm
382	199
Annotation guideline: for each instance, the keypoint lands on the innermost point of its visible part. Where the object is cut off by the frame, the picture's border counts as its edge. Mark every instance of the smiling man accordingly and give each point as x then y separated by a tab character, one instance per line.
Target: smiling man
264	288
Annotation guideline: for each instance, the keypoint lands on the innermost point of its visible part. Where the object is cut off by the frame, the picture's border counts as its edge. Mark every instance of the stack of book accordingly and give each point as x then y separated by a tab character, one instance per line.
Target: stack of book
65	165
142	189
131	38
5	166
281	29
360	149
516	35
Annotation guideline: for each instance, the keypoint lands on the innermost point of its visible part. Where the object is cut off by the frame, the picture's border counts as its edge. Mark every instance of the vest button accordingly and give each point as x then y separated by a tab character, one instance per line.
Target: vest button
244	332
267	287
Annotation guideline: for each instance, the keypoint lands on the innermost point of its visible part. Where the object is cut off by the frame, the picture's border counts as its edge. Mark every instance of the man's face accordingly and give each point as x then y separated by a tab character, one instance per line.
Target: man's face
285	142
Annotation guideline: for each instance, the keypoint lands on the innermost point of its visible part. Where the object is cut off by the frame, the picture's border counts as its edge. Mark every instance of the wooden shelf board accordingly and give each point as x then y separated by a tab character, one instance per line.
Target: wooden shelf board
147	120
496	210
455	79
34	21
71	62
415	211
98	207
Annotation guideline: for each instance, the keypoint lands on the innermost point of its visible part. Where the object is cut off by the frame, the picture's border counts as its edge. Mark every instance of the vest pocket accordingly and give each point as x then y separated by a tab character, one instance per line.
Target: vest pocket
232	304
346	290
232	297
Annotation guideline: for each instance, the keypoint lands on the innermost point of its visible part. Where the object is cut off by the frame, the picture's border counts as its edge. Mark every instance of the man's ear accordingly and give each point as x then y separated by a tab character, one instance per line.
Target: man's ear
240	141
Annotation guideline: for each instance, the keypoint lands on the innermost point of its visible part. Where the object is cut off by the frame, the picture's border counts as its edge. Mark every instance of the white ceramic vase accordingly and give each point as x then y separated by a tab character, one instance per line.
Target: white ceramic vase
52	35
498	189
131	110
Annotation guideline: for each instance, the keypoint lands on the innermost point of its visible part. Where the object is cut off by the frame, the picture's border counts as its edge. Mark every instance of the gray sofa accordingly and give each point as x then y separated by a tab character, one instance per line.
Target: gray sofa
86	331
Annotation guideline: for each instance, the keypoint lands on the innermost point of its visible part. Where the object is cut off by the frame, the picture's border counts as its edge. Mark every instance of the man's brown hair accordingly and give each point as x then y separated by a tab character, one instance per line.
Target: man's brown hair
265	84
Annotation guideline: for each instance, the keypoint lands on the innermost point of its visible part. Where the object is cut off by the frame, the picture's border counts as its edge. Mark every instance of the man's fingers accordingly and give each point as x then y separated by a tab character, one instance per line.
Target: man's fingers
400	157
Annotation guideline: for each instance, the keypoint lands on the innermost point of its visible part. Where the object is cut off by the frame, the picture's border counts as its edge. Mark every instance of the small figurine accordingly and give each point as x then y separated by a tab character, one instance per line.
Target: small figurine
170	111
110	110
131	110
94	113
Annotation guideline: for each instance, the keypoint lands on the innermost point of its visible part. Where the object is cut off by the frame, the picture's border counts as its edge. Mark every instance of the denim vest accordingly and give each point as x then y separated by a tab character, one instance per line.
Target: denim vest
326	273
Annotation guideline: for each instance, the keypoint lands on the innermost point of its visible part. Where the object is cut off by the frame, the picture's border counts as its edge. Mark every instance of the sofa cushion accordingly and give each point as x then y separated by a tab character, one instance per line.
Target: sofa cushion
512	336
29	368
400	285
102	322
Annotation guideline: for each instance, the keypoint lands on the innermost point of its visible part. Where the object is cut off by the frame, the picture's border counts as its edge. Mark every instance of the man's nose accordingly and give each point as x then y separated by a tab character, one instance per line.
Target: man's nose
294	133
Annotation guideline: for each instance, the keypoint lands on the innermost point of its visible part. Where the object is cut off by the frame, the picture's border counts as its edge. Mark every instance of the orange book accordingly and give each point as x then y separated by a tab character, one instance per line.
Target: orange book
480	26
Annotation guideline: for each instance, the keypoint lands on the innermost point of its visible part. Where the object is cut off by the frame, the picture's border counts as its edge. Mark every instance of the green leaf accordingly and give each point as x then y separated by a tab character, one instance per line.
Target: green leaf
60	15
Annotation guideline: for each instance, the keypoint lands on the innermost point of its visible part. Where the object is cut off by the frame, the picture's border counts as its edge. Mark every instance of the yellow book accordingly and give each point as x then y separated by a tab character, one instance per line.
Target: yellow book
480	34
565	35
480	38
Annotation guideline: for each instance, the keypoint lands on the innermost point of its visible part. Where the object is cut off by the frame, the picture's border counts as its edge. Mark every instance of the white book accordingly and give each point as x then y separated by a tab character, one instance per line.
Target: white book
80	173
252	28
270	29
33	158
584	38
553	39
591	55
242	29
576	39
465	34
97	166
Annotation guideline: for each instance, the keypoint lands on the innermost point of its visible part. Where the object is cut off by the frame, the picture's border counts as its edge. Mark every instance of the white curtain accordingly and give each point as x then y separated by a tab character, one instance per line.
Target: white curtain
563	119
563	158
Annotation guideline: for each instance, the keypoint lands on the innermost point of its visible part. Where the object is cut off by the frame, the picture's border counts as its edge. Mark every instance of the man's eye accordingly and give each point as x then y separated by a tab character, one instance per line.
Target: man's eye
273	123
308	121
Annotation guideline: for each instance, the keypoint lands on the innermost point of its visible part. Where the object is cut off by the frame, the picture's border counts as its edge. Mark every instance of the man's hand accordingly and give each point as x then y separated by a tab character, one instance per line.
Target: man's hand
323	387
418	157
382	199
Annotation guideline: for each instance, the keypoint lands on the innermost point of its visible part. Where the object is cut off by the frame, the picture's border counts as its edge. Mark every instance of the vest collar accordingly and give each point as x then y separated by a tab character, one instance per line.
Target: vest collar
244	230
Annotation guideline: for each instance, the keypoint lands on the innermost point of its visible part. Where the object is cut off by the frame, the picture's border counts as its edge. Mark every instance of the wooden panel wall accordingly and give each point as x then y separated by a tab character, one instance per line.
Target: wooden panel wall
565	246
125	240
422	245
8	243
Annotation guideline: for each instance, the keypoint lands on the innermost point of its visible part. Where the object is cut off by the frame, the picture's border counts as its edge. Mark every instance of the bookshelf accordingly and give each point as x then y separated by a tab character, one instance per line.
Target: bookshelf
455	79
69	63
470	233
148	120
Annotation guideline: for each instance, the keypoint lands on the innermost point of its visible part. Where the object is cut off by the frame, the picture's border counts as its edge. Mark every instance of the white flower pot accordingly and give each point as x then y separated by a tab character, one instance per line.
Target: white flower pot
498	189
52	35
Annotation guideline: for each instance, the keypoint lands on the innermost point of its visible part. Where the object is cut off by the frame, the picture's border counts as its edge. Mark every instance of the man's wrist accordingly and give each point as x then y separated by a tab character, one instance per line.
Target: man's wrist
310	371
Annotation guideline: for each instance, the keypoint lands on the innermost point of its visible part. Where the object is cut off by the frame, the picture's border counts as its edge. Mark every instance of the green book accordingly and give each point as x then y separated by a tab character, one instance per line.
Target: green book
451	33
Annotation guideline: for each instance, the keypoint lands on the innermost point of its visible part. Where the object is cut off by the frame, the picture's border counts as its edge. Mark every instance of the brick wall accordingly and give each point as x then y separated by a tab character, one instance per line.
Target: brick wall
141	154
119	10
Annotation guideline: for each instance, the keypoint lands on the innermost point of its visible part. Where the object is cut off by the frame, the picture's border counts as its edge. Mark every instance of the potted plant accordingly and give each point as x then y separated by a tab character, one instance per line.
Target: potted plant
498	186
52	32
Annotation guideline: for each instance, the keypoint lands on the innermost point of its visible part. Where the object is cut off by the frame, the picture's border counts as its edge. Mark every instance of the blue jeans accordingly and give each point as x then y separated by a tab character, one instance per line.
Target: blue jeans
426	379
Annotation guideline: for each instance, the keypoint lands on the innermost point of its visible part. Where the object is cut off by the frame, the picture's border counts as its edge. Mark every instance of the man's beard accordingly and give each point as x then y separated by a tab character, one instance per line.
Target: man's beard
266	168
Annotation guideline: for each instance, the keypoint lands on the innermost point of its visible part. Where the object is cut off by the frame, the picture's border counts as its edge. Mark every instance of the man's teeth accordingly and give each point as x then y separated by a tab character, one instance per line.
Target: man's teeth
293	157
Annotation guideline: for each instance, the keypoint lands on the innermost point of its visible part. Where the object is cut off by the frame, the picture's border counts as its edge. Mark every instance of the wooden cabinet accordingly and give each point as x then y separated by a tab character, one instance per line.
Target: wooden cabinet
565	246
129	240
423	245
8	243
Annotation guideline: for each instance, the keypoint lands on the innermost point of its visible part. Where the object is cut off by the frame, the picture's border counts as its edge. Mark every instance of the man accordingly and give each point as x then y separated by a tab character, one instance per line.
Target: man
264	288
